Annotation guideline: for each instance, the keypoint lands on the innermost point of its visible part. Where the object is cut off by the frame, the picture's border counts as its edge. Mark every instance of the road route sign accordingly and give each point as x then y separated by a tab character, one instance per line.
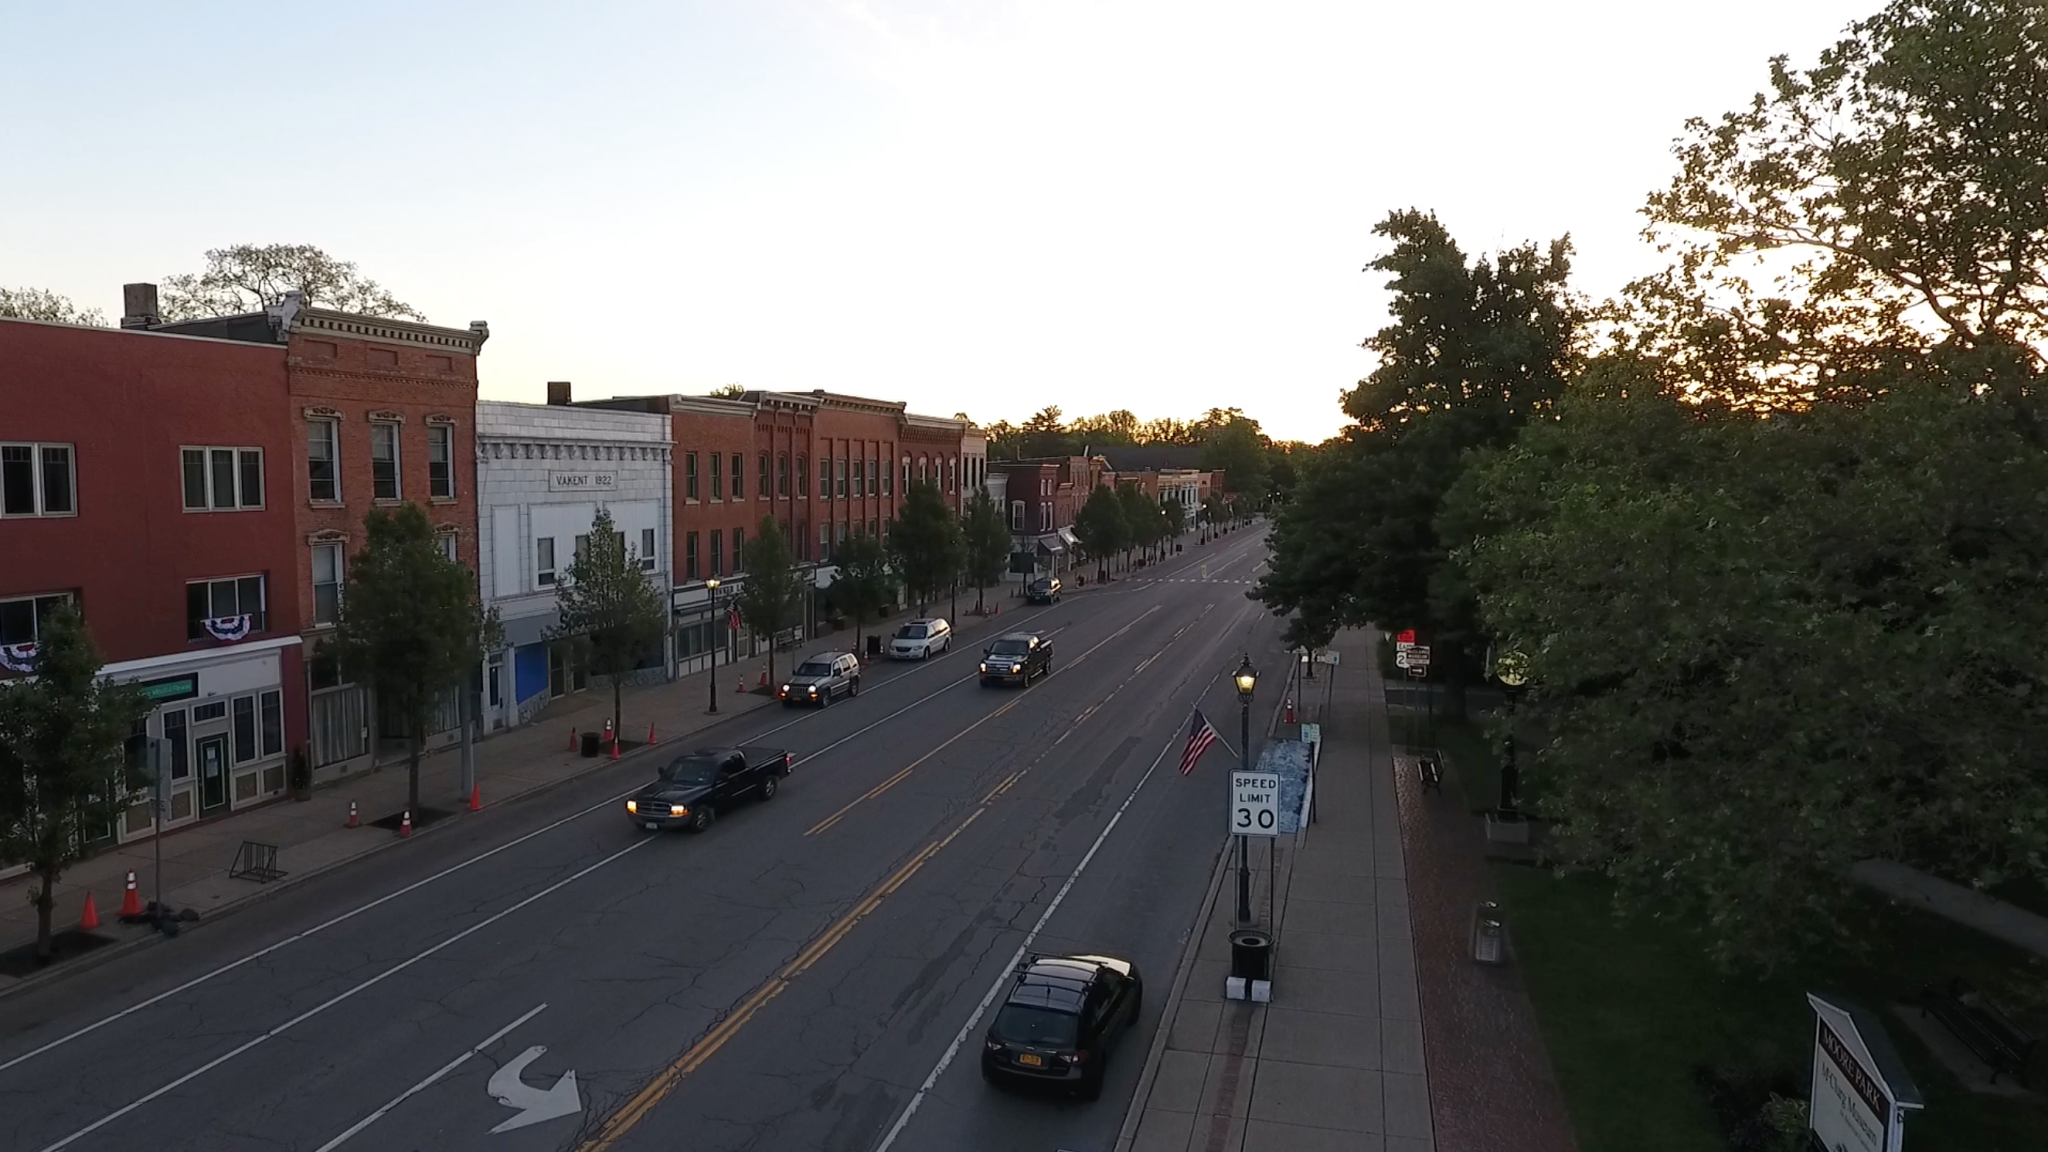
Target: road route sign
1418	657
1404	639
1254	802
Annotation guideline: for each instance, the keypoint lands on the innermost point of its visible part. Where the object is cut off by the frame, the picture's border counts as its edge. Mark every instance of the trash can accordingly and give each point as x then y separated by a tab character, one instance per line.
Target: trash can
875	646
591	744
1251	955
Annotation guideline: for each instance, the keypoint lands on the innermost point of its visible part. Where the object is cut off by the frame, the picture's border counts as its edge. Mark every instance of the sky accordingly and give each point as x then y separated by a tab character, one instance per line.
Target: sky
983	207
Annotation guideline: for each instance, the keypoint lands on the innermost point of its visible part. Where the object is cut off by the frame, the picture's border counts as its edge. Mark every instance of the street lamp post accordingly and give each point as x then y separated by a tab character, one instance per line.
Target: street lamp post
711	586
1247	679
1511	668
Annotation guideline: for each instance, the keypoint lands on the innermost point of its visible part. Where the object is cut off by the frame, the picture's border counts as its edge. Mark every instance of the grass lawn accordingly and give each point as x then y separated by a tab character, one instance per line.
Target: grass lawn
1630	1008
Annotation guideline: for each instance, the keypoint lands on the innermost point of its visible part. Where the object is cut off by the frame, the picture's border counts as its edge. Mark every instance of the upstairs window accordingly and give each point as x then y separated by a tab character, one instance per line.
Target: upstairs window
690	476
647	548
718	476
21	617
739	476
36	480
825	477
384	461
544	560
763	487
440	462
841	491
739	551
323	461
224	609
690	556
222	479
803	476
327	561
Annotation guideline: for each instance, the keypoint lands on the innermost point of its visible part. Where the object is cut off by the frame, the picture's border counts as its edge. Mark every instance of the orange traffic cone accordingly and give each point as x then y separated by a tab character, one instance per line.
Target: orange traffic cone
740	689
650	733
405	823
764	678
354	821
615	749
90	919
608	737
1290	711
131	902
572	739
476	797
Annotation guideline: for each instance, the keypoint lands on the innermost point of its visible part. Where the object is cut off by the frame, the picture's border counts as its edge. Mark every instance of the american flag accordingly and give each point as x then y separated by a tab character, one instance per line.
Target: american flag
1200	736
732	618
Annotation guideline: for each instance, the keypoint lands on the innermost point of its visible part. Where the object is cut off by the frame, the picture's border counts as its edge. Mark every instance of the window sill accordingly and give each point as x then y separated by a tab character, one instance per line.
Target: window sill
326	504
386	501
444	500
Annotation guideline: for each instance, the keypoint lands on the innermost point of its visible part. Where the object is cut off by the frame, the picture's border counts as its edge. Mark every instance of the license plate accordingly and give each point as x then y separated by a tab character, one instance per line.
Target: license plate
652	826
1031	1060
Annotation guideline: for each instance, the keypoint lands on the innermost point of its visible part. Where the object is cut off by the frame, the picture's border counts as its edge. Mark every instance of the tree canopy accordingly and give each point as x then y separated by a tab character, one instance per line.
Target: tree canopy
773	593
610	611
40	304
926	544
864	582
250	277
985	539
1101	528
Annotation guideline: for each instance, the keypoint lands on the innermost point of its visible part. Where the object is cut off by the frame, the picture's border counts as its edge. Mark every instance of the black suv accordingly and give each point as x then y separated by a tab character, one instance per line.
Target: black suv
1044	590
1018	658
1061	1018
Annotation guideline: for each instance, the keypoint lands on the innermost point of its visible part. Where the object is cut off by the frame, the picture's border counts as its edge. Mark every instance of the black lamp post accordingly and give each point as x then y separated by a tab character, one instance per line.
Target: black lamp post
711	587
1247	678
1511	668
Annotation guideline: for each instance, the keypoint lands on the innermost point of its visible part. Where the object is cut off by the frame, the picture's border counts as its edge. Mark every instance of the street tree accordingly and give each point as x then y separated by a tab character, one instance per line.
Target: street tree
926	544
40	304
864	582
1475	350
1141	516
1101	528
1045	435
251	277
986	541
68	766
1176	519
774	590
612	613
1233	443
411	627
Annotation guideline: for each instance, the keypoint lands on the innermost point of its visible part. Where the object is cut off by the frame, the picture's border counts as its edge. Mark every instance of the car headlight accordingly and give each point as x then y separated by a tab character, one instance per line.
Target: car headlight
632	806
814	689
678	810
984	667
1016	667
785	689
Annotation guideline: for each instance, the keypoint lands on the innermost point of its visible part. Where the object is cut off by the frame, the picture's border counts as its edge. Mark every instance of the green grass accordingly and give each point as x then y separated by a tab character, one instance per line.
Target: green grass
1629	1008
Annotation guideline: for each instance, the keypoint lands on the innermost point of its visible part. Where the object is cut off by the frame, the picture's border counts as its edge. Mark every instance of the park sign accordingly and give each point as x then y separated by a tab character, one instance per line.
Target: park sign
1861	1091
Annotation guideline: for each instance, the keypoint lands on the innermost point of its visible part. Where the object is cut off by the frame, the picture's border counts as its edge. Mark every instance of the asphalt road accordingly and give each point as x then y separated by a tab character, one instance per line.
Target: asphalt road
812	973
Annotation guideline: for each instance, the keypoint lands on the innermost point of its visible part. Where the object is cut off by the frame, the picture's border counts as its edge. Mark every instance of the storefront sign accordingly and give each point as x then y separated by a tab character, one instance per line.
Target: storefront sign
582	481
171	688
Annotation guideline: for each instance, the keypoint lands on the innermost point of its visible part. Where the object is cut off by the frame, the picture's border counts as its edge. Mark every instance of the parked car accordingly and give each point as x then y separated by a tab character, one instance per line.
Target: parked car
1044	590
692	787
821	677
921	640
1061	1019
1017	658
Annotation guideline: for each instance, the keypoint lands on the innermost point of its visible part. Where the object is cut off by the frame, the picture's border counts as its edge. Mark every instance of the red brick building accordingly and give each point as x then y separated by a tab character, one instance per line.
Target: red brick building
149	478
380	413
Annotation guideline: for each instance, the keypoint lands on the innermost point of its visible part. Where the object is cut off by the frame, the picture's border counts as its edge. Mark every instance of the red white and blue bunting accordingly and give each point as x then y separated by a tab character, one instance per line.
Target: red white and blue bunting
18	657
229	628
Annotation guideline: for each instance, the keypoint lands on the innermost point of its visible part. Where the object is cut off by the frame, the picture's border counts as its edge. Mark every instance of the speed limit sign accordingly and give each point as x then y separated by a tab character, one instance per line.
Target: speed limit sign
1254	803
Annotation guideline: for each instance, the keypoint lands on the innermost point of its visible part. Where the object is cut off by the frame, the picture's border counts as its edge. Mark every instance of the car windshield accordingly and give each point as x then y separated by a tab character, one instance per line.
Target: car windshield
1041	585
691	770
910	632
814	668
1024	1024
1011	648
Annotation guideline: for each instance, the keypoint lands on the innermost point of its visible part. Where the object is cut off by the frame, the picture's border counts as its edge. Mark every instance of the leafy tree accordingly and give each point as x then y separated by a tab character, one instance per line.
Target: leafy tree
1101	528
926	543
986	545
1175	519
39	304
251	277
774	588
1897	187
1768	648
67	766
611	612
1169	431
1141	515
864	582
1044	435
1004	441
1232	442
1109	429
411	625
732	391
1214	509
1474	352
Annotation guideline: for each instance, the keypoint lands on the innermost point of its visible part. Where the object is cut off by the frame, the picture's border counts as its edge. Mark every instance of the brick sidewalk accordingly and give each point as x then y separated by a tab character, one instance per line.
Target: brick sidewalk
1336	1060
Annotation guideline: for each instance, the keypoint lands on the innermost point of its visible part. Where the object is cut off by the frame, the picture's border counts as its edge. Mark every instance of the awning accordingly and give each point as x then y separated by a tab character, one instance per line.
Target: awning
1052	544
1072	540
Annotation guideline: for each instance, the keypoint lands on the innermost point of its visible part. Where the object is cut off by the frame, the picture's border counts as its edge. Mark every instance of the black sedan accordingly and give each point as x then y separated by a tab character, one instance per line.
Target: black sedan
1060	1020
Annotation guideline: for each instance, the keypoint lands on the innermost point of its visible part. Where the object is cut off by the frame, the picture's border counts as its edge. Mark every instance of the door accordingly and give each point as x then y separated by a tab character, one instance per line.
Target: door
213	774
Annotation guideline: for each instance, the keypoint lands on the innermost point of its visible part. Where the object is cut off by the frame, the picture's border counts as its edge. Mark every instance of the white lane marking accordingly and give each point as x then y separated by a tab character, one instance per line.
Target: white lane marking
438	876
309	1013
429	1082
1003	981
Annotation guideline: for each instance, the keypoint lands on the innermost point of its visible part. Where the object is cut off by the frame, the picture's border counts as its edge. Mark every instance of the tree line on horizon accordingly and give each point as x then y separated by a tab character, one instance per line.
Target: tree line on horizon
1770	529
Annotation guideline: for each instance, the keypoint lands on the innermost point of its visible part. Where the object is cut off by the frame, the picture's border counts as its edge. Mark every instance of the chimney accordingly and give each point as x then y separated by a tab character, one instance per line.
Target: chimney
558	391
138	304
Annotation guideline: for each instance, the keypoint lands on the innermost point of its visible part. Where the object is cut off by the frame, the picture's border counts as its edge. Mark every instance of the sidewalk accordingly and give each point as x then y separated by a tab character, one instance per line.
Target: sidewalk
1336	1060
312	836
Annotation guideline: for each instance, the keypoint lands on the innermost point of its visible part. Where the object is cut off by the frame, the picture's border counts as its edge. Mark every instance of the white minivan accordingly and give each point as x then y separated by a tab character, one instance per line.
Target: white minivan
921	640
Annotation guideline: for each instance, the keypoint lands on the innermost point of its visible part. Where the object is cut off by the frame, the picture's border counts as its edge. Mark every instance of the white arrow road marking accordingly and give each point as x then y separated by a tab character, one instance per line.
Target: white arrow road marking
429	1082
534	1105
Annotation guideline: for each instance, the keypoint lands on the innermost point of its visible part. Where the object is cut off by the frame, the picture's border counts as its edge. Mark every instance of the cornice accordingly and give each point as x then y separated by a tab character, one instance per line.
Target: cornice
469	341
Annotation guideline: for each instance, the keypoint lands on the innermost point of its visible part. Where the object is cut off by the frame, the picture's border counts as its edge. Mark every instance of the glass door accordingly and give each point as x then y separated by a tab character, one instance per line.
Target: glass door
213	774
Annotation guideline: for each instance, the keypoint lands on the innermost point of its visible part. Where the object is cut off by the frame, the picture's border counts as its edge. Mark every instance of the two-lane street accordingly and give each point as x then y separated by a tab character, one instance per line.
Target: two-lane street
803	975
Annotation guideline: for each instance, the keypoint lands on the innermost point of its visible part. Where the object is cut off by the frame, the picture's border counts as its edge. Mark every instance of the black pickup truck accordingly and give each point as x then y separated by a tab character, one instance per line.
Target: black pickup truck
693	786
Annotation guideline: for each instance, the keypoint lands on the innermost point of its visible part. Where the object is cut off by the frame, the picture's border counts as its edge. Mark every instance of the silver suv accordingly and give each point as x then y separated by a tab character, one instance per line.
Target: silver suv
821	677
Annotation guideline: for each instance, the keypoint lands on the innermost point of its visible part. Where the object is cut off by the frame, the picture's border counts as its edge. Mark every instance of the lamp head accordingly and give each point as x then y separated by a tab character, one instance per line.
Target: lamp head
1511	668
1247	678
711	584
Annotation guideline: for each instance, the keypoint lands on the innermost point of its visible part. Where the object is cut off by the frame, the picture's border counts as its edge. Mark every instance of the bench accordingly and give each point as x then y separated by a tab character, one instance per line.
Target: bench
1981	1026
1431	770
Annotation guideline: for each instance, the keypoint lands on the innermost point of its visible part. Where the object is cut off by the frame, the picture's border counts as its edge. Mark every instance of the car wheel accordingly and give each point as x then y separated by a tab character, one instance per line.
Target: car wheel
853	689
703	818
1091	1081
770	787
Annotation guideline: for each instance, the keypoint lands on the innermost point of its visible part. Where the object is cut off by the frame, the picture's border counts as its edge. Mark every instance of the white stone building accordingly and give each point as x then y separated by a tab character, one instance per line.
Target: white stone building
543	471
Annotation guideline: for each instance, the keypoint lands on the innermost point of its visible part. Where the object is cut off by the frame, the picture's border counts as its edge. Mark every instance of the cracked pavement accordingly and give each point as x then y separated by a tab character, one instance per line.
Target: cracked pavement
643	956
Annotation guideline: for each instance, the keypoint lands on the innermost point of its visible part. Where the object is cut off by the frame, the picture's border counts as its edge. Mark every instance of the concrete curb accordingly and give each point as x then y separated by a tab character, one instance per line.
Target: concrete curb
1129	1132
111	952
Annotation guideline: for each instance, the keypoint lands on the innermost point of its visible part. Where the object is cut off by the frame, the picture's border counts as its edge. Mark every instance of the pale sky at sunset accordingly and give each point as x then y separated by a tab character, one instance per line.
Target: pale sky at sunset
984	207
